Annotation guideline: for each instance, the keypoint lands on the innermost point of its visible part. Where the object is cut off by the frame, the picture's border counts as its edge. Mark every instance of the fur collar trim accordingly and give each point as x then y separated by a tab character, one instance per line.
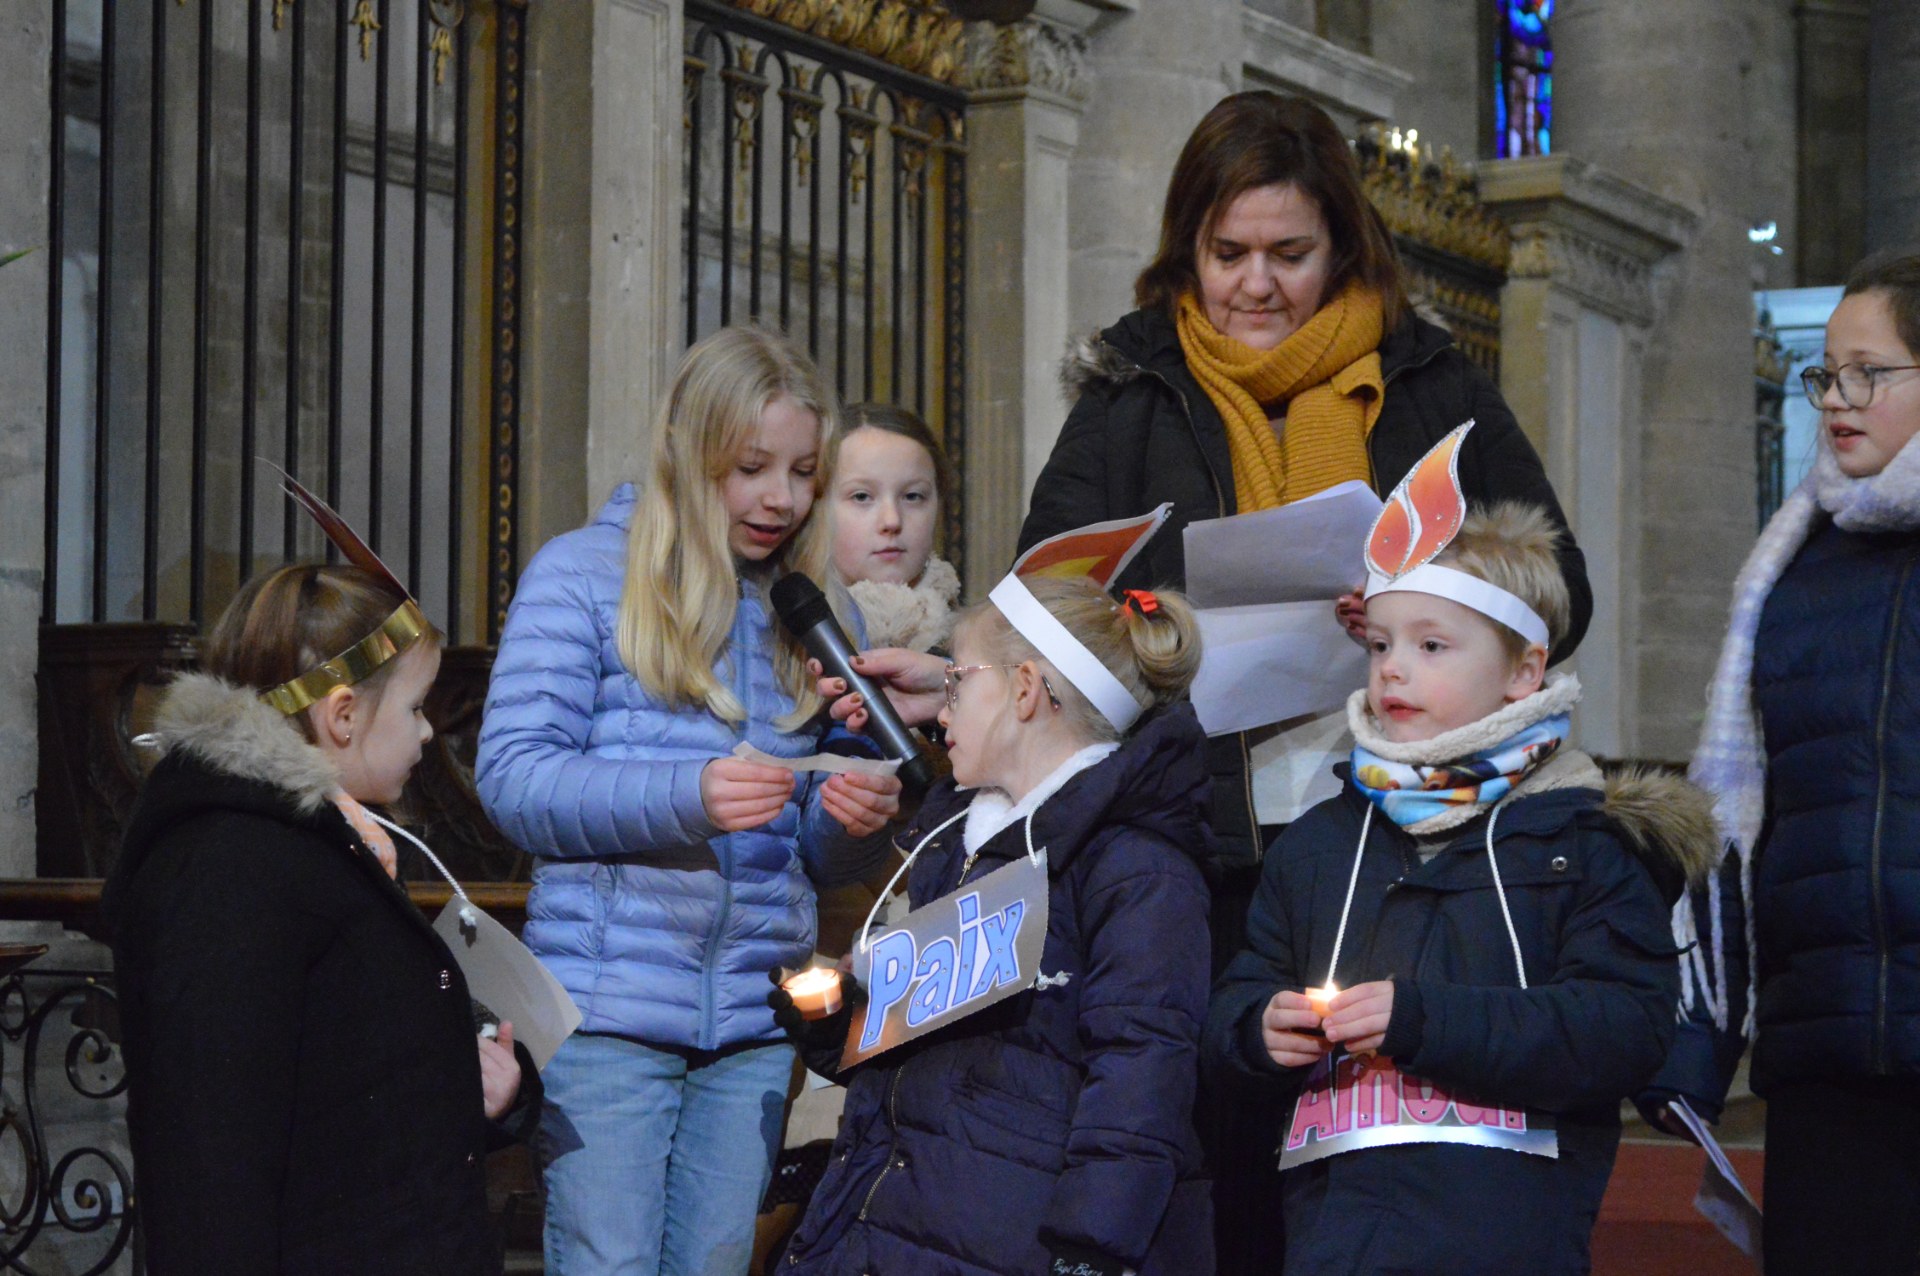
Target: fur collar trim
231	730
1093	362
1559	695
917	616
991	810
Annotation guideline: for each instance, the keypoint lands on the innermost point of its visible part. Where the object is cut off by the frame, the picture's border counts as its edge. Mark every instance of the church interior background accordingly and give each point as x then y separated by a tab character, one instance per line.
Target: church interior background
438	258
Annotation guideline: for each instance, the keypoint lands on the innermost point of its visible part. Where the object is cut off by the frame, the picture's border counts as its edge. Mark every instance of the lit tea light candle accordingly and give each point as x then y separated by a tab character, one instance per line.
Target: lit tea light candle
1318	998
815	992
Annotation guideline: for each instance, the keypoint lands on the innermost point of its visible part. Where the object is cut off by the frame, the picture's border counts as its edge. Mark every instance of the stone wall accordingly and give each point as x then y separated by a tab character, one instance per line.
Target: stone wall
26	44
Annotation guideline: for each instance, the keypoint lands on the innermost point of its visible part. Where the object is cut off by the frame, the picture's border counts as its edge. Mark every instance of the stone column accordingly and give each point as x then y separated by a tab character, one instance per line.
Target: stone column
25	58
1023	124
1893	126
1153	72
603	189
1832	114
1652	91
1444	43
1575	319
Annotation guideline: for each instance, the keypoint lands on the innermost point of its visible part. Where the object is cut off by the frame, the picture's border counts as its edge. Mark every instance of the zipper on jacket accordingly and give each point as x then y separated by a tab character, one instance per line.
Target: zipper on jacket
1220	511
1879	819
893	1151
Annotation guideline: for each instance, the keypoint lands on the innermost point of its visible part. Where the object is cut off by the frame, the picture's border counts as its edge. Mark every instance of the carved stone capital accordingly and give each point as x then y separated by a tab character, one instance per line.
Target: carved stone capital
1583	229
1602	276
1030	54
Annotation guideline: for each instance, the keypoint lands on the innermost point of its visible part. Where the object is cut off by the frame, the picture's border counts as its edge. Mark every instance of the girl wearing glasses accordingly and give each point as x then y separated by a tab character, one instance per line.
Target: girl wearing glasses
1812	750
1052	1131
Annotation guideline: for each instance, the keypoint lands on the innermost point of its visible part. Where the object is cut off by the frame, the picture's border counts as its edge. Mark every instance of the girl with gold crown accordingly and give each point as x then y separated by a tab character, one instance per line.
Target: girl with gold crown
306	1089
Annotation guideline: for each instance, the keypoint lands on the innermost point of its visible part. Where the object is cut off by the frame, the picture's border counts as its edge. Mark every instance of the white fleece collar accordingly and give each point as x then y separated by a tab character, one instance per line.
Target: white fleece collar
1559	695
992	810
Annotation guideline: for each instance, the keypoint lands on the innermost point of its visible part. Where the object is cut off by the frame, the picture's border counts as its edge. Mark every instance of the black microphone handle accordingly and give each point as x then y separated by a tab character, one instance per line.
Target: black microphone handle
827	644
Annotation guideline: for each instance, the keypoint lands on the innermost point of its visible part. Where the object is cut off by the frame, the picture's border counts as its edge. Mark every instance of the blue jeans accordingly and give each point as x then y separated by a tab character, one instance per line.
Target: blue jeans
657	1158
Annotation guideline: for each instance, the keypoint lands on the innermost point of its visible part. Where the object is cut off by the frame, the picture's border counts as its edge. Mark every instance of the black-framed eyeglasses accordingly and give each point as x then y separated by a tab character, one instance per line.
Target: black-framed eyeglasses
1856	382
952	675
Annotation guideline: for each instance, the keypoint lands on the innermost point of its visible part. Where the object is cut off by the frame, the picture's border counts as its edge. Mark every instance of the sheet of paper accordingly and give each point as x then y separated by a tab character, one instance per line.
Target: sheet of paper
1293	767
1309	549
1722	1199
506	978
1266	664
829	762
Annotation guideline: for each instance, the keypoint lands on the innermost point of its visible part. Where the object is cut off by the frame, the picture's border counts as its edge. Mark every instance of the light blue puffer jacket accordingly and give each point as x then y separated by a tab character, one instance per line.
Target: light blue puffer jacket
660	926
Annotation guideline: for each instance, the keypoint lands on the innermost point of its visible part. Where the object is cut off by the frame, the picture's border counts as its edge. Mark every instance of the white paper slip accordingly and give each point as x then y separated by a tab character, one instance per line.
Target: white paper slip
832	763
1307	549
1293	767
1261	665
506	978
1722	1199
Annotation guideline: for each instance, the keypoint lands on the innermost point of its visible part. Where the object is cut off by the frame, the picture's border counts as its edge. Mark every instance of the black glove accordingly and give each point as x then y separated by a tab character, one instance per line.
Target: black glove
1076	1260
820	1040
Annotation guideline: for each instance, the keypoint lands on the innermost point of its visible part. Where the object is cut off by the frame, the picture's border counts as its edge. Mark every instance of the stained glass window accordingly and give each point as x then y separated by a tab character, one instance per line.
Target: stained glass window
1523	78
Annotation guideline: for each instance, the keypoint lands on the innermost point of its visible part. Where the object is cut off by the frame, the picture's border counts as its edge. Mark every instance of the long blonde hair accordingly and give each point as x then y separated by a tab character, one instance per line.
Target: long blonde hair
682	586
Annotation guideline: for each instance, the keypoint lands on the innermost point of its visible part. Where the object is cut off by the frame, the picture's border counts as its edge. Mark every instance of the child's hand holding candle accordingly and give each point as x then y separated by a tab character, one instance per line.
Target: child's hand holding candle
1360	1021
1319	998
815	992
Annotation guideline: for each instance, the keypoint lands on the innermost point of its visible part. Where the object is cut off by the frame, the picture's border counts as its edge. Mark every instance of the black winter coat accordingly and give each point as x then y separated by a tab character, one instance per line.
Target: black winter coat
1062	1115
1142	431
1590	1028
1836	869
304	1087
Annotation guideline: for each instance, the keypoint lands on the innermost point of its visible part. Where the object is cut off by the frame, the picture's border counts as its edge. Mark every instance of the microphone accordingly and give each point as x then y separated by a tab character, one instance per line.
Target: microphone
803	609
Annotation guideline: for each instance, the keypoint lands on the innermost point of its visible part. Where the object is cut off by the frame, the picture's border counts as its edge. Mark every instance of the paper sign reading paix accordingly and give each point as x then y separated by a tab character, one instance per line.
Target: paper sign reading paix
951	958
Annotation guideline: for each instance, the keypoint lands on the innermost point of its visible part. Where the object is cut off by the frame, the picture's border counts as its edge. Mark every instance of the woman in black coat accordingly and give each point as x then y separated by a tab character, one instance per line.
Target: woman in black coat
1273	354
1266	231
305	1091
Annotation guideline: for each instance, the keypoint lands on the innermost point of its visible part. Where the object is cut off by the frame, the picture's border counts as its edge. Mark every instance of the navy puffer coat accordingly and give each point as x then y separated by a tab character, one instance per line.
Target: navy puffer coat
1589	879
1064	1114
1836	872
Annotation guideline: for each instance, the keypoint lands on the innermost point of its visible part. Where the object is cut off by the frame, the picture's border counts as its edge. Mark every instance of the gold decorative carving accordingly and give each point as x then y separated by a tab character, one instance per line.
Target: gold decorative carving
1433	201
280	8
368	24
920	36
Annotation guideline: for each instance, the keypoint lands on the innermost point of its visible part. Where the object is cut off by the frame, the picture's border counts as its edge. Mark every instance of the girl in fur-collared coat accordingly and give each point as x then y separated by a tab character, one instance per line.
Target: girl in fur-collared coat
305	1091
891	484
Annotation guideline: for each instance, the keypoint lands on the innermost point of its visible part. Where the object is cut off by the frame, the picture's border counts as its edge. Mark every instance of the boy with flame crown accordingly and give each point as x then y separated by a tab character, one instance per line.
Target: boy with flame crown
1481	918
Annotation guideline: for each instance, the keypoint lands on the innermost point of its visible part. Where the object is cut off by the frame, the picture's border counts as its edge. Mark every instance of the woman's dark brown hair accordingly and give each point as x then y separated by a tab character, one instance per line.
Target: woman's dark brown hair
285	621
885	416
1259	139
1897	274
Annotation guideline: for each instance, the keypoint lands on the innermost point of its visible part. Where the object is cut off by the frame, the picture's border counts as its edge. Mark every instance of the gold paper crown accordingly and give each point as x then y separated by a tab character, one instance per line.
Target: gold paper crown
399	631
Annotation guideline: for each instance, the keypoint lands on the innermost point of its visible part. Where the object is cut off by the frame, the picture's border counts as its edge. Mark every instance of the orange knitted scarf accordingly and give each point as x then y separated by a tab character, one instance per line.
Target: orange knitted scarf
1327	376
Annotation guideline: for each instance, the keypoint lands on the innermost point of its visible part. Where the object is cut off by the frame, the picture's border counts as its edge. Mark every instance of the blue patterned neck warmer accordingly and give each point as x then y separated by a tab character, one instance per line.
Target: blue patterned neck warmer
1407	793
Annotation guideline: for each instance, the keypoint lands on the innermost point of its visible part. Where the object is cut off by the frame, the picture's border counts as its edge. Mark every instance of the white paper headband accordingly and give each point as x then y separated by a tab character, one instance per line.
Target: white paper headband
1469	591
1068	654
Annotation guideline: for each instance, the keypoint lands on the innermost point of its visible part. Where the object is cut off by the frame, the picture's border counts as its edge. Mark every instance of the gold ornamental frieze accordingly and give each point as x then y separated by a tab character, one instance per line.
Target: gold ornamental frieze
919	36
1431	200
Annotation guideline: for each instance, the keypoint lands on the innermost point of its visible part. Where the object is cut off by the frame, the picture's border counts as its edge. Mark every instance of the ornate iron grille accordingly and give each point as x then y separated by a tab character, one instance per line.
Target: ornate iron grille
268	222
826	194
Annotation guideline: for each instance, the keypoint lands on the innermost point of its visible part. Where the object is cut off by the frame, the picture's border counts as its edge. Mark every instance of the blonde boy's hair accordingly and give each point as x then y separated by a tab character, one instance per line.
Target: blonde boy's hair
1154	656
1515	547
682	587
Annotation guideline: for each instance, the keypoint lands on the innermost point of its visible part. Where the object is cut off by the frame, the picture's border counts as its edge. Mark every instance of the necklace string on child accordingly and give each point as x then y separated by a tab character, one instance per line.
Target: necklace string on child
1499	890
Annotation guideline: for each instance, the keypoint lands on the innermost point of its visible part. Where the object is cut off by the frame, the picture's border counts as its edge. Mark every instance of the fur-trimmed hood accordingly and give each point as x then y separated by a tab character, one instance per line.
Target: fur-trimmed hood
229	729
1665	818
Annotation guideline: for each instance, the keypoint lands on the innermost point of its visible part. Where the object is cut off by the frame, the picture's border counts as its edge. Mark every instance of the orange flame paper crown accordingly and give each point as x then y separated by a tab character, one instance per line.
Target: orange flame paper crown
1099	550
399	631
1420	519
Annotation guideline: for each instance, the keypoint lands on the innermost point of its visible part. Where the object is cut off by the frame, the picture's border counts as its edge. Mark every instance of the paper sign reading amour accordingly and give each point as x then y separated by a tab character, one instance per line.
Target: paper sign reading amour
1351	1103
953	957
